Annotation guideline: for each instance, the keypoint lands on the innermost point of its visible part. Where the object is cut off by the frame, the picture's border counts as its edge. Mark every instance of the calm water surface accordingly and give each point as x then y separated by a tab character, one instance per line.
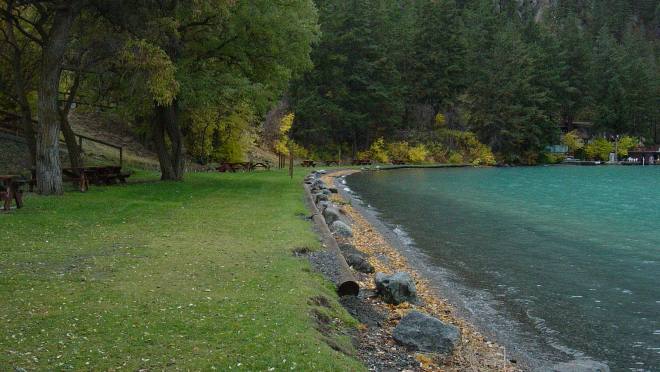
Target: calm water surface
572	253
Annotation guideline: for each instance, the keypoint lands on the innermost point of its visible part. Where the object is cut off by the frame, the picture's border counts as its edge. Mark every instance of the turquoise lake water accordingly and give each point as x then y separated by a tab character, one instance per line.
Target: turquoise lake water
572	254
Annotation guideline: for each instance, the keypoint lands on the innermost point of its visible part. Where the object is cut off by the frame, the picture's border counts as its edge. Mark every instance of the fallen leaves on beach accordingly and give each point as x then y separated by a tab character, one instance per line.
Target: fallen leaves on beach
474	354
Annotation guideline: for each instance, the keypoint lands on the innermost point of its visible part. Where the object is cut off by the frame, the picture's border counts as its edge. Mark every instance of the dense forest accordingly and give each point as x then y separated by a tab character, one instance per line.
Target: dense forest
427	80
511	72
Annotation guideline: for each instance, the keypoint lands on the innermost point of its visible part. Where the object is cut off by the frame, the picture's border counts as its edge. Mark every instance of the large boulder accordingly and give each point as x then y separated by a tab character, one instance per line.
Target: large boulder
319	197
347	248
316	184
422	332
342	229
396	288
359	263
331	214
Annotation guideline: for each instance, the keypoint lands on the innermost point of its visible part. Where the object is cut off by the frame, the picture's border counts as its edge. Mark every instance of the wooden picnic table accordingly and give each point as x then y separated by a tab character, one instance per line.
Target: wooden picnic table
243	165
398	162
10	189
99	175
233	167
308	163
361	161
331	162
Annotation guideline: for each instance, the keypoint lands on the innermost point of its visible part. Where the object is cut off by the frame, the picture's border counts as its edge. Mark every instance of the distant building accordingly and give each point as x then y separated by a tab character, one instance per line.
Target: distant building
647	155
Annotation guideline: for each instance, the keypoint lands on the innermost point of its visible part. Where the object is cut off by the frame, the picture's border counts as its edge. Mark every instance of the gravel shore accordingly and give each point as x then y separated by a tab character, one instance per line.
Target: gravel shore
376	348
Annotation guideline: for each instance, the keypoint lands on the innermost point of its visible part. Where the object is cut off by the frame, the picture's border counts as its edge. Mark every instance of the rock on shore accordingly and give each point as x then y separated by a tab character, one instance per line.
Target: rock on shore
425	333
396	288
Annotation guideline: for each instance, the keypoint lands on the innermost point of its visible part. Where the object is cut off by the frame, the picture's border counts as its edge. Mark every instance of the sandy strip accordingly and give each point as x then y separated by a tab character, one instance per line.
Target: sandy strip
475	354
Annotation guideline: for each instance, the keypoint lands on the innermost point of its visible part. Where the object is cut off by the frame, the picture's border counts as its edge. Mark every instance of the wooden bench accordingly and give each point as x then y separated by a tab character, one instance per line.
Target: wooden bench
308	163
11	189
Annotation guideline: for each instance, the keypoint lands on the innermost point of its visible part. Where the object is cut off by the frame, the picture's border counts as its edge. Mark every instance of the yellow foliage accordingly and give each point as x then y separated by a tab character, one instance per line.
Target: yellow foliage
377	151
398	150
572	140
363	155
440	120
456	158
286	123
418	154
281	146
625	144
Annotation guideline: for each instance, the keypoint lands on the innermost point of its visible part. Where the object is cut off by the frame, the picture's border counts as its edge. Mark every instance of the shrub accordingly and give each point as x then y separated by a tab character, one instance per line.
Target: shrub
363	155
377	151
456	158
550	158
398	150
438	153
573	141
626	143
418	154
600	148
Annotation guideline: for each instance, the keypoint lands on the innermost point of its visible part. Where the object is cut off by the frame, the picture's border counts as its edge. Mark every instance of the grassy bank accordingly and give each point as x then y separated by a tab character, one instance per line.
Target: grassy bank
160	275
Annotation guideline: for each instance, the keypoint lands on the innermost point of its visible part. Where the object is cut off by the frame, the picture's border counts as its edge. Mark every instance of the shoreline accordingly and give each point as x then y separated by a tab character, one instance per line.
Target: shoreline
476	352
511	344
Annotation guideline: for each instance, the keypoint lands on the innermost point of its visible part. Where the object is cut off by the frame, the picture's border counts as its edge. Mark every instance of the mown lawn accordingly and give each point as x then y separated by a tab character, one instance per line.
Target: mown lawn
159	275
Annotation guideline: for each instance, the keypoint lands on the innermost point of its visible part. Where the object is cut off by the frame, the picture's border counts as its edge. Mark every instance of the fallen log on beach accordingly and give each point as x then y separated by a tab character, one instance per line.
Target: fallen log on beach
345	281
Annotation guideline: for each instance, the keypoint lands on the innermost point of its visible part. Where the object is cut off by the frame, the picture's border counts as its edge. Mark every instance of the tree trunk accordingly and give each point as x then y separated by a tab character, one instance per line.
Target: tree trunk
74	150
49	169
165	128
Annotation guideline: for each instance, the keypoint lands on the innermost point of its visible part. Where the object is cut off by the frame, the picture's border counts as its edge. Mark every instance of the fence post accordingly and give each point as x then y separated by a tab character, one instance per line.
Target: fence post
121	156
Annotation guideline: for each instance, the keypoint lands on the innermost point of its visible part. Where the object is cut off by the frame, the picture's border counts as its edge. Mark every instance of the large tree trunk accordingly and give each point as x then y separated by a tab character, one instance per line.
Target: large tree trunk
21	88
49	169
168	140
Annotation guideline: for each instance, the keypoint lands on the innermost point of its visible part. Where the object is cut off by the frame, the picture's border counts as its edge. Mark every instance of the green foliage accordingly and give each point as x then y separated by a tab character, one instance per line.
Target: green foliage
149	63
234	135
437	74
507	72
599	148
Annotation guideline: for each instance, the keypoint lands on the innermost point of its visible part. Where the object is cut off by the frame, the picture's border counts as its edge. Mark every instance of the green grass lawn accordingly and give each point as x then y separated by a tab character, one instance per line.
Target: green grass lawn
159	275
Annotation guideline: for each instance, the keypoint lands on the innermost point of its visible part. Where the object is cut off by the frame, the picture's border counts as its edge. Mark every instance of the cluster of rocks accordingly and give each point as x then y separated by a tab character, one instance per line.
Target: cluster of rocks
416	331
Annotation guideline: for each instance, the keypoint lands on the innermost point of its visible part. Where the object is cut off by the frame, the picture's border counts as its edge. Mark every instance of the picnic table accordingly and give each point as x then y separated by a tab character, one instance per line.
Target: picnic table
243	165
361	162
10	189
398	162
101	175
308	163
331	162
